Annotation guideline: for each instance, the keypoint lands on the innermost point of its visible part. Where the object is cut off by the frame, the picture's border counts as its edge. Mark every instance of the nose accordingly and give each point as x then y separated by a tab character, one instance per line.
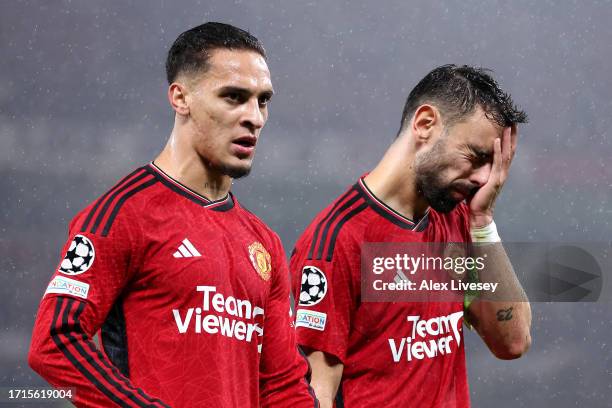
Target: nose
480	176
253	118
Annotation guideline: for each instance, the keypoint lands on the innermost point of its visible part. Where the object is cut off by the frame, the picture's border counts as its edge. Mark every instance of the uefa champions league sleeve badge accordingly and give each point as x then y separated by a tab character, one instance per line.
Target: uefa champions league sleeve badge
79	257
314	286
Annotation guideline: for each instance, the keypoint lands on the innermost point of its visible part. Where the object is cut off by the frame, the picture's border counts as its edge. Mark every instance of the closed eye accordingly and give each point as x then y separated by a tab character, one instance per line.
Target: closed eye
483	158
480	157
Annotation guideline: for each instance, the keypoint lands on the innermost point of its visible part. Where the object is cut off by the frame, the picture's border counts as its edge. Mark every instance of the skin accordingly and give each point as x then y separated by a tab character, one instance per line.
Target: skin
434	164
219	115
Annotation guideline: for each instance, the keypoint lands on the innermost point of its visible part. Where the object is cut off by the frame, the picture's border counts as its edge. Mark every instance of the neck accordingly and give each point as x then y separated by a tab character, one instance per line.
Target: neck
393	180
181	162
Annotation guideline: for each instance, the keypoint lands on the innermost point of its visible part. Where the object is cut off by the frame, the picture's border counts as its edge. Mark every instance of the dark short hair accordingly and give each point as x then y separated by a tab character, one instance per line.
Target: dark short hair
191	50
457	90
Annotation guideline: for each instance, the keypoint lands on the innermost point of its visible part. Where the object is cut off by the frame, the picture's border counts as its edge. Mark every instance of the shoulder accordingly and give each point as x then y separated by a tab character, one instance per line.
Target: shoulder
339	227
117	205
259	228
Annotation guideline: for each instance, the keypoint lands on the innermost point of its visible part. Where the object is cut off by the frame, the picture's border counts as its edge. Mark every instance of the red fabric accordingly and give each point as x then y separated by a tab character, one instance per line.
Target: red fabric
364	335
193	322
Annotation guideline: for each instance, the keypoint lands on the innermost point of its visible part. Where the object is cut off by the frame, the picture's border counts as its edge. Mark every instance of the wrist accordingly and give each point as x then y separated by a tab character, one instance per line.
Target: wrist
480	220
487	233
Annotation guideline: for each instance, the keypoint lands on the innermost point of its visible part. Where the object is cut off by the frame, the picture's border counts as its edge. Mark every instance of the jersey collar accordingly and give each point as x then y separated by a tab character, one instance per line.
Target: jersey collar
389	213
224	204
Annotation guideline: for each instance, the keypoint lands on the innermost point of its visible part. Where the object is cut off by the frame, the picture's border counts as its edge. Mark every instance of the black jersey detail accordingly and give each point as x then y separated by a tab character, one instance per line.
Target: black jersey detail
423	223
308	377
121	201
67	331
332	219
100	200
338	227
389	213
61	327
389	217
113	336
339	401
332	211
112	198
224	204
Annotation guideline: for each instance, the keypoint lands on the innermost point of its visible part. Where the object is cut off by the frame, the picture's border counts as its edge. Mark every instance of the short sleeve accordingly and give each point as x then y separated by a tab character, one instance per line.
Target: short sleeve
326	294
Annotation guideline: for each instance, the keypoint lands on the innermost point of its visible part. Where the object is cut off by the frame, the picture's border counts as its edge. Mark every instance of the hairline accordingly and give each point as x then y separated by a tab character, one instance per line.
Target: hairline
451	119
447	122
194	74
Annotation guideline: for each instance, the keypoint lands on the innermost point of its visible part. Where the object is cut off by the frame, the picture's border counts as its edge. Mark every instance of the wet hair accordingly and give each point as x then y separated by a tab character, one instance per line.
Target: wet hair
191	51
457	90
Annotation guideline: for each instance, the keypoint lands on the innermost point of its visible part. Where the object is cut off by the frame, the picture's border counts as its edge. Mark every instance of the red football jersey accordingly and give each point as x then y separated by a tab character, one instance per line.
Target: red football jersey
189	299
385	347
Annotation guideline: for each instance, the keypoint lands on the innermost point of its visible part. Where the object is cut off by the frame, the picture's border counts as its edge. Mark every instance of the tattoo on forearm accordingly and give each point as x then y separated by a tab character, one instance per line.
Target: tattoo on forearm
504	314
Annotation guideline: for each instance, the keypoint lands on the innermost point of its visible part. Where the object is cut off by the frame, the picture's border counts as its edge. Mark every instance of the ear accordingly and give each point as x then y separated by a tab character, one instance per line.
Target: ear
177	93
424	122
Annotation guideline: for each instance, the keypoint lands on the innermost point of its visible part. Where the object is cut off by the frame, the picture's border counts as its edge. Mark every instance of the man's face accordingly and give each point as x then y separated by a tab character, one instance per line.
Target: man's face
228	107
458	163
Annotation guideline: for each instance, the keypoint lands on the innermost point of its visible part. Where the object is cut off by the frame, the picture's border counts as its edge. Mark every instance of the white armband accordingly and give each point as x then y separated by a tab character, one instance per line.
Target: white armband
487	233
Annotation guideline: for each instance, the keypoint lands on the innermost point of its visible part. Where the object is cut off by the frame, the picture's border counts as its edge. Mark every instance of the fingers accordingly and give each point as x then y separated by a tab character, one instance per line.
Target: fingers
497	167
506	142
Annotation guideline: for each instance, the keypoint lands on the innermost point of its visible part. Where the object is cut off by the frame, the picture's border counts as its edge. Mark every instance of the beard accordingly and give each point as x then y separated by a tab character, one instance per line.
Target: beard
234	172
438	196
211	154
430	167
226	169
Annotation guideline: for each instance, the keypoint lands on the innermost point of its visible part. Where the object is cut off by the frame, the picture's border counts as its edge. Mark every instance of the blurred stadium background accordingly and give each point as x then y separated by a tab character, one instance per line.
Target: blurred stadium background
82	102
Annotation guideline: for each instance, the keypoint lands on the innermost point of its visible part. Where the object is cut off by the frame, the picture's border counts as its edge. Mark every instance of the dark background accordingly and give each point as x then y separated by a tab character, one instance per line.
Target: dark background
83	101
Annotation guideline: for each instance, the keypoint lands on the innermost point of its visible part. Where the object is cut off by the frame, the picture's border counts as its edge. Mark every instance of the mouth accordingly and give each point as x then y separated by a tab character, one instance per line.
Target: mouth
458	196
466	193
246	141
244	146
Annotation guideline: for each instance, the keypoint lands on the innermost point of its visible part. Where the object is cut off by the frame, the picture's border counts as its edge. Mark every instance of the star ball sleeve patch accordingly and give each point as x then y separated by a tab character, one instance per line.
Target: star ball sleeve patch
79	257
314	286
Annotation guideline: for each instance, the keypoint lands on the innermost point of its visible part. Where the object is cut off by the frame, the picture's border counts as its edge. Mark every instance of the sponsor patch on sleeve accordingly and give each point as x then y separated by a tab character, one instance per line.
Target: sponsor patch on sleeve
310	319
67	286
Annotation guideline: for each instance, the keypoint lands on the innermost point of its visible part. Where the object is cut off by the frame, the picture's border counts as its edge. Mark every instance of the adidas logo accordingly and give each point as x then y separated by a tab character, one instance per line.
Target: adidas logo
186	250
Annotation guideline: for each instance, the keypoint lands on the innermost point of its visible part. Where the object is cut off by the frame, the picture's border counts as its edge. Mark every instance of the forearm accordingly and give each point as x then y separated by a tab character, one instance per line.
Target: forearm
502	318
64	355
325	377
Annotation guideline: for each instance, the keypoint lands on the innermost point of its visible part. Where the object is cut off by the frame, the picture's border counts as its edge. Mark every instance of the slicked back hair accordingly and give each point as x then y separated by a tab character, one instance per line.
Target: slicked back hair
191	51
457	90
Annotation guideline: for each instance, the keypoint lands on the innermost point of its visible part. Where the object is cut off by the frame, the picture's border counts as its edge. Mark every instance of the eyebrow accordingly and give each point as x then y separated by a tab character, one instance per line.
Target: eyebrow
245	91
481	153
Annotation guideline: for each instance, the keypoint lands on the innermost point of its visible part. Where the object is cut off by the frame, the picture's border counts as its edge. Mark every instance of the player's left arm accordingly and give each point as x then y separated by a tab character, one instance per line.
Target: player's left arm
283	369
503	320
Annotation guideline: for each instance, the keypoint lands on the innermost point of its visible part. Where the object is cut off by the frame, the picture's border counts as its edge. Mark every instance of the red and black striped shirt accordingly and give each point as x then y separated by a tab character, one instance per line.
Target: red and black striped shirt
189	299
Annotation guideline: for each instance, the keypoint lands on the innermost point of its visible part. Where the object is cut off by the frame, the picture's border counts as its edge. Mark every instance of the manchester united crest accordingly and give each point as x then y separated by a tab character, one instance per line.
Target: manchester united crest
260	258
